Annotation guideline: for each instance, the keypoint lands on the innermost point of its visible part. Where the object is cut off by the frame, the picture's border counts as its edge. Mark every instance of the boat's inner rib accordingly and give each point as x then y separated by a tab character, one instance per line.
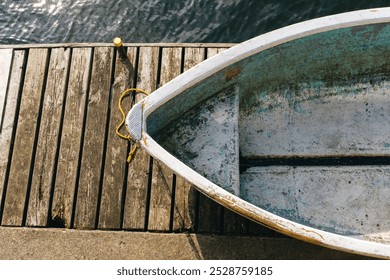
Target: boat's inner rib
246	163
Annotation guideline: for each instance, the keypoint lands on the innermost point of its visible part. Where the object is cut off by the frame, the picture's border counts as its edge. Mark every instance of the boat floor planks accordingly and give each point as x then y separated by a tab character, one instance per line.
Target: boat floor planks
61	163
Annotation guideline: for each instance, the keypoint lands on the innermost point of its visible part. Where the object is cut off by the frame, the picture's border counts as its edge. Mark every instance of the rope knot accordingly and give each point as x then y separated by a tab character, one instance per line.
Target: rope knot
133	92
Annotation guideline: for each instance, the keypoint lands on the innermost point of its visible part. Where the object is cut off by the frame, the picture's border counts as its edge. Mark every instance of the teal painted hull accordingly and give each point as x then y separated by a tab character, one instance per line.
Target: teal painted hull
293	133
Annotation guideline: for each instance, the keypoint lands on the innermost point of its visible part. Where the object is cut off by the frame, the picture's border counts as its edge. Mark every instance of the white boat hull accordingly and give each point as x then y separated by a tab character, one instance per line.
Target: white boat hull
290	129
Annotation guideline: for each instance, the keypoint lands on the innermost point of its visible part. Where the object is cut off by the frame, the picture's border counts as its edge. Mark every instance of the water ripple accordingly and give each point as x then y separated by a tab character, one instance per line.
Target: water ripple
54	21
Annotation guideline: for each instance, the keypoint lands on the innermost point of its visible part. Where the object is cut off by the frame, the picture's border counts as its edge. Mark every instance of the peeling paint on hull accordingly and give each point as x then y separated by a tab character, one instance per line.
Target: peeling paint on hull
290	129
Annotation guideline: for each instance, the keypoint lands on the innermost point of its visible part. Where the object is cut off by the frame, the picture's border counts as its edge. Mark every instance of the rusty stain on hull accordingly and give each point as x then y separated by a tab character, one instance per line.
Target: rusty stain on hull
229	75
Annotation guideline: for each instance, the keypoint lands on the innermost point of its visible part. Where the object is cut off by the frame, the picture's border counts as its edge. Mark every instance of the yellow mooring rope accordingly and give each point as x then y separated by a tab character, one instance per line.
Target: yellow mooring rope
128	137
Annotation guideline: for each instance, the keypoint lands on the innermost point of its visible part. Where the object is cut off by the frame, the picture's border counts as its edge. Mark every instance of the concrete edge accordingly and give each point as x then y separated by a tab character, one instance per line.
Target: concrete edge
65	244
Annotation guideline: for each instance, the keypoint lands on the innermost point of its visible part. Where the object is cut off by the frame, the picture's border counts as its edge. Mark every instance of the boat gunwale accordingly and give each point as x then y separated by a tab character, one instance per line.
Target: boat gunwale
219	62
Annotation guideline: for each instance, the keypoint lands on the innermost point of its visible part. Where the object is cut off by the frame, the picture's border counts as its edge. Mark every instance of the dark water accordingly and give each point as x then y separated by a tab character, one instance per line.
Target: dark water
55	21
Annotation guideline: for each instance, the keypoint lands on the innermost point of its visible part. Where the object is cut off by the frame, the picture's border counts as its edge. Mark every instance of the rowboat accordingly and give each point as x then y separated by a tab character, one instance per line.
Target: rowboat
290	129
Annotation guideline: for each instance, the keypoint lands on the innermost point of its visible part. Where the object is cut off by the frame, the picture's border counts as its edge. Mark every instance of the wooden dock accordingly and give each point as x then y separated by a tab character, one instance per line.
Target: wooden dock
63	166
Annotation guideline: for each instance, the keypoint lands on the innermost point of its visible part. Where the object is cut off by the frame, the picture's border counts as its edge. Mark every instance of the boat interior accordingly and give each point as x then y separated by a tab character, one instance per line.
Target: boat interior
300	129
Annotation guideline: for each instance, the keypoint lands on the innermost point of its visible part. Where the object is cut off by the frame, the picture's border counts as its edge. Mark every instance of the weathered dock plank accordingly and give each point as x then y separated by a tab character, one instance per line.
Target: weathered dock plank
115	168
162	188
193	56
94	138
160	198
185	206
185	193
138	192
48	139
9	124
71	138
170	64
24	146
5	68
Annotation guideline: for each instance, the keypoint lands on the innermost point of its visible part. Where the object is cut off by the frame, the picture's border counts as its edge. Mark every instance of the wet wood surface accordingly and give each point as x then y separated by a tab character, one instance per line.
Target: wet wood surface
61	163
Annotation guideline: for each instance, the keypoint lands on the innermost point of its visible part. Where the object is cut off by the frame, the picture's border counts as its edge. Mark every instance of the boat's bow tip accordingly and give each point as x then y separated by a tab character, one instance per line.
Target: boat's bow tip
134	122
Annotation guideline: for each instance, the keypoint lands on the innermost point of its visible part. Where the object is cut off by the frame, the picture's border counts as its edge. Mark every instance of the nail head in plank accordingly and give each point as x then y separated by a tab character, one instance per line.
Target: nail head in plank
116	151
91	162
25	137
135	212
9	124
68	160
44	166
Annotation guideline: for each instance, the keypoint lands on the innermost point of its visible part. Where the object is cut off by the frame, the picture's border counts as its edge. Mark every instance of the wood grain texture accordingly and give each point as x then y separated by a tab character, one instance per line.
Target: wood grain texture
5	69
170	64
18	183
193	56
161	197
94	137
9	124
116	152
136	203
45	159
185	195
68	161
185	206
162	177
